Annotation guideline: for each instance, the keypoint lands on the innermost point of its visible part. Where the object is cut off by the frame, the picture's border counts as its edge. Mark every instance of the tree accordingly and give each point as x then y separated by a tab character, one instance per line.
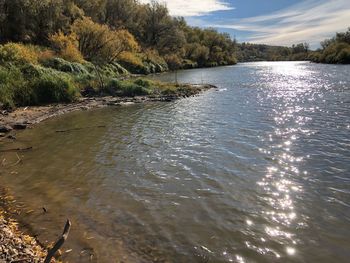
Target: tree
174	64
120	13
98	43
101	45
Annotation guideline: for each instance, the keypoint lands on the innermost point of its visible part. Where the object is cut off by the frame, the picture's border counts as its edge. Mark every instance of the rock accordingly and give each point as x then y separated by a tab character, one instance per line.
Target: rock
12	137
20	126
5	128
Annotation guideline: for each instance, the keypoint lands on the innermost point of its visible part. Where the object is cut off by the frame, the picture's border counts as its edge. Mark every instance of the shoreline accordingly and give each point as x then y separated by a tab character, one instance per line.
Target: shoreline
16	244
24	117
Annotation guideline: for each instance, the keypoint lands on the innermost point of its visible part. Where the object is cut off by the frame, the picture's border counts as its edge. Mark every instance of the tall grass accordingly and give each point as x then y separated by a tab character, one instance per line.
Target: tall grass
34	85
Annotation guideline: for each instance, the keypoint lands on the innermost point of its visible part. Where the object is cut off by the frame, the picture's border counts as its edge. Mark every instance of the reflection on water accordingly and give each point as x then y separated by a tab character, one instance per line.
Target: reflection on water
257	171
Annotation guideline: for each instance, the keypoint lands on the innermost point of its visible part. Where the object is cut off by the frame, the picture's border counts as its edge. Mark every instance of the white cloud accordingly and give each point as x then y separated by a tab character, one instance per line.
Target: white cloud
193	7
310	21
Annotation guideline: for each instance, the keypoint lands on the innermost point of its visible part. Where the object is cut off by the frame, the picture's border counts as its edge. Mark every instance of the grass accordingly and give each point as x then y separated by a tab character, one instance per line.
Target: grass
34	85
31	75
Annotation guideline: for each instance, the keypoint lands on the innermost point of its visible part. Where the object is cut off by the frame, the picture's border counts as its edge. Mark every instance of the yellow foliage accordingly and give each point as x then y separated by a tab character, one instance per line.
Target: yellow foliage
130	58
46	55
66	46
18	53
101	44
152	55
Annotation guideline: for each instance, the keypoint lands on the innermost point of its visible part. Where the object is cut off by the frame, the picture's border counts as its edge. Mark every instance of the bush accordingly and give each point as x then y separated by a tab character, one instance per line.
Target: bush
126	88
133	63
154	61
18	54
33	85
173	61
46	55
52	88
66	66
188	64
113	70
335	53
144	83
66	46
11	82
343	56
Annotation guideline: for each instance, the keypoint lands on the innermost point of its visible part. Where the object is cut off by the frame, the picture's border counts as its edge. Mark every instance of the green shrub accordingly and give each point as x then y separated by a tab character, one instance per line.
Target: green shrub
11	82
132	90
66	66
343	56
114	69
18	54
50	88
144	83
126	88
133	63
33	85
188	64
153	61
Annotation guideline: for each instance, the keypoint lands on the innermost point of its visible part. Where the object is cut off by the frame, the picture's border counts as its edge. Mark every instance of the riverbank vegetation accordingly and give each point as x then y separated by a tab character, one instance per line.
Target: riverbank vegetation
158	39
335	50
53	51
34	76
248	52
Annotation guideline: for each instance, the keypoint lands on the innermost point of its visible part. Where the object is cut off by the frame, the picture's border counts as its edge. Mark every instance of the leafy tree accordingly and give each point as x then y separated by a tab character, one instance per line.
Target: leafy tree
99	44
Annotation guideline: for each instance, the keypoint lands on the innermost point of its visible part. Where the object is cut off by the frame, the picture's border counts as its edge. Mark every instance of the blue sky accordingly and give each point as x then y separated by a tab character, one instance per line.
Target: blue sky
275	22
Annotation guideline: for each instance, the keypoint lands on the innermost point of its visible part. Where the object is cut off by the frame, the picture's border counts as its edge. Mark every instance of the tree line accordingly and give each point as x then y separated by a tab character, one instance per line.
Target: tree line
143	38
135	33
260	52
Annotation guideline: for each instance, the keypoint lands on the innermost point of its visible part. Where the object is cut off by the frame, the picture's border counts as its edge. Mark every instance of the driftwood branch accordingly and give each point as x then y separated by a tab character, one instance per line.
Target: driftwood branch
59	242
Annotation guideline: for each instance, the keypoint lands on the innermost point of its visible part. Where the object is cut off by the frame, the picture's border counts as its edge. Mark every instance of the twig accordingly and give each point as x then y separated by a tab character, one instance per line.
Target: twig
18	161
78	129
16	150
59	242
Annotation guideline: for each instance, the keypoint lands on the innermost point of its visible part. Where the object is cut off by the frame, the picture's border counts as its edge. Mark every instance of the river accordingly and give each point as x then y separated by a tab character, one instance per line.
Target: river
256	171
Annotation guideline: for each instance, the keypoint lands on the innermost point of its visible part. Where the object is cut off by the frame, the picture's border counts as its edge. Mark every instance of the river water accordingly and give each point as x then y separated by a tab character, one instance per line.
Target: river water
256	171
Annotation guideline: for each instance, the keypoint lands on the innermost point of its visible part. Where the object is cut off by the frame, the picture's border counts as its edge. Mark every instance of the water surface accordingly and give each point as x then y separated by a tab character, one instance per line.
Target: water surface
257	171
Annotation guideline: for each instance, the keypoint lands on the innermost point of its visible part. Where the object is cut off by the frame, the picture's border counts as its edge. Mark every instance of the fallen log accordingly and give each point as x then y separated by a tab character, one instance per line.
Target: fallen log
59	242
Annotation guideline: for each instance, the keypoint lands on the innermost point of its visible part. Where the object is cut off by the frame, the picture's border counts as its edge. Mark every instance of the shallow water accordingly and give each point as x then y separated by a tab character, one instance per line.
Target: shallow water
257	171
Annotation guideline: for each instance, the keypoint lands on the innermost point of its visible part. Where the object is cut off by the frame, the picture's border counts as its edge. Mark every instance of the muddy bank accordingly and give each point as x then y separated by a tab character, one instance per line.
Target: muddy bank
25	117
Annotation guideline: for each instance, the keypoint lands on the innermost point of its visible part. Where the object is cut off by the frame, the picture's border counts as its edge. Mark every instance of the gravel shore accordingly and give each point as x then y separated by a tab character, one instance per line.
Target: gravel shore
16	246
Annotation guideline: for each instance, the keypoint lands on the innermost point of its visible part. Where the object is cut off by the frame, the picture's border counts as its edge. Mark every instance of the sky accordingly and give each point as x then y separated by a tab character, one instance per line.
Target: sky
274	22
